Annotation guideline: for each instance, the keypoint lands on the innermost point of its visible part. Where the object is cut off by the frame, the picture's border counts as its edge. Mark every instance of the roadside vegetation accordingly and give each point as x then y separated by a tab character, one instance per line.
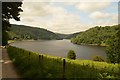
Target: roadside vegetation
34	65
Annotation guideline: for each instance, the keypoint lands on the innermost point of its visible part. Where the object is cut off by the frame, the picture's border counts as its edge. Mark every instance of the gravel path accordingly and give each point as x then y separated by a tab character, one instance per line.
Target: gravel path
8	69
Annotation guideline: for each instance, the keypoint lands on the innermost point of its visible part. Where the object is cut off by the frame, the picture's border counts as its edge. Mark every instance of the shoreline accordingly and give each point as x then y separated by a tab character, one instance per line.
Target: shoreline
102	45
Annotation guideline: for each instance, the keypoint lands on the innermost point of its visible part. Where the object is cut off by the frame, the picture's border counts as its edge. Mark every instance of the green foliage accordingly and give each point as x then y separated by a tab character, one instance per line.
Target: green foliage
21	32
97	35
98	58
71	55
51	67
69	36
9	10
113	51
108	35
4	38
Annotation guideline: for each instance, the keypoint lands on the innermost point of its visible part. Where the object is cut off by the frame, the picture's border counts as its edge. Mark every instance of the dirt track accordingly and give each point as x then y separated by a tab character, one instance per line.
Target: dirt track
8	69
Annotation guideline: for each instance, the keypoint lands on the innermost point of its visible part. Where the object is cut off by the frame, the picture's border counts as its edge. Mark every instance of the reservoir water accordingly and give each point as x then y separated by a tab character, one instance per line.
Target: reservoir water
61	48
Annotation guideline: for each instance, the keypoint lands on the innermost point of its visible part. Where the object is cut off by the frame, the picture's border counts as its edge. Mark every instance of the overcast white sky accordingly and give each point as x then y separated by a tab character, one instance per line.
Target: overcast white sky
68	17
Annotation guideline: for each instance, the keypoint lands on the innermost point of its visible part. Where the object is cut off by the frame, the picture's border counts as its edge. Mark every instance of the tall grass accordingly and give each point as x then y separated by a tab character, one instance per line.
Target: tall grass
34	65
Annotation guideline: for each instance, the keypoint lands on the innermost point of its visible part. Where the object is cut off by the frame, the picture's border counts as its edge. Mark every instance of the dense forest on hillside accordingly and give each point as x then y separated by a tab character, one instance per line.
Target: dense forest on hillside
73	35
97	35
68	36
22	32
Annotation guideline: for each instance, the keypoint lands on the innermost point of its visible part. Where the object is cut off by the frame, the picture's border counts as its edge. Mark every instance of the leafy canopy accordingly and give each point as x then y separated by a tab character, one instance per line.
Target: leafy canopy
113	51
10	10
71	54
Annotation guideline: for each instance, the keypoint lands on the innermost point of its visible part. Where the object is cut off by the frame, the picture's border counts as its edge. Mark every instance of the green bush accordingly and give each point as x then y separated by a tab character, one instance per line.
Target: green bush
45	66
98	58
71	54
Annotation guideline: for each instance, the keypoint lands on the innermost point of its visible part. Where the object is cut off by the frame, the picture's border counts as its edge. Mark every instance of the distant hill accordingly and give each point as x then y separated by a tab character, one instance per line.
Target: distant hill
97	35
62	36
69	36
22	32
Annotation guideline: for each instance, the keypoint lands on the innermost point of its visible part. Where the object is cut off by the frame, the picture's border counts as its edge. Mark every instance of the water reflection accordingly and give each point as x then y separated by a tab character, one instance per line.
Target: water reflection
61	48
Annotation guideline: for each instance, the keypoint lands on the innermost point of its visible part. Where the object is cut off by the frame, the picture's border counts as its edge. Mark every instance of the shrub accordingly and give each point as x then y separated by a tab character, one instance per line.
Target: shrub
51	67
98	58
71	54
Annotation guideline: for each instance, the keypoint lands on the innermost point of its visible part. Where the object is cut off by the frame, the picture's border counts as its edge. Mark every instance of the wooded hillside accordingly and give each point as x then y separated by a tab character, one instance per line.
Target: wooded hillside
97	35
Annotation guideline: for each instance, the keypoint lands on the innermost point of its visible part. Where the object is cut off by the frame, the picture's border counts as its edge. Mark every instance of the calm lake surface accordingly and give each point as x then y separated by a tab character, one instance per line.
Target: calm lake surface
61	48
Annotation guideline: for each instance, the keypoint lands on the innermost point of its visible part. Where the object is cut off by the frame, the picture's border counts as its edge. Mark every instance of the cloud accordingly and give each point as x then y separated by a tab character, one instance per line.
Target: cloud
114	17
71	0
34	9
111	20
67	23
99	15
92	6
105	23
59	19
51	17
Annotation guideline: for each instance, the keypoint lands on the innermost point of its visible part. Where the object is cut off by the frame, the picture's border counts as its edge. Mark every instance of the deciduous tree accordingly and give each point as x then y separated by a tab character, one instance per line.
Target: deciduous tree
10	10
71	54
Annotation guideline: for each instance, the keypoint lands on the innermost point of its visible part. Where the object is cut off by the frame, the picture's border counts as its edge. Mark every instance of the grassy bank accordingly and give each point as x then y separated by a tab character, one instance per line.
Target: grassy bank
34	65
